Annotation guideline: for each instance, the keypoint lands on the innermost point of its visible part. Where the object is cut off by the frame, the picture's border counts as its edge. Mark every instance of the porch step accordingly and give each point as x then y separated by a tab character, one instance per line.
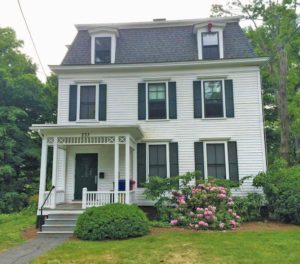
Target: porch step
60	223
56	221
62	216
55	228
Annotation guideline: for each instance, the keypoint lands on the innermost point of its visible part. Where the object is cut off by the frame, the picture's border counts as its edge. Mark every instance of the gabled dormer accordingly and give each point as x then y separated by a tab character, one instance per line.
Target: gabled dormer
103	45
210	42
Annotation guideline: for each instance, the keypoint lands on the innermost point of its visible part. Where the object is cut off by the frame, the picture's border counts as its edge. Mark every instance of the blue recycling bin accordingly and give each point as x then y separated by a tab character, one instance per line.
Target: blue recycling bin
121	184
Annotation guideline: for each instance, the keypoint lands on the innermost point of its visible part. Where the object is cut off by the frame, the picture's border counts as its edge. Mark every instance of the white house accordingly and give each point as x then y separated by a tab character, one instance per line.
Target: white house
151	98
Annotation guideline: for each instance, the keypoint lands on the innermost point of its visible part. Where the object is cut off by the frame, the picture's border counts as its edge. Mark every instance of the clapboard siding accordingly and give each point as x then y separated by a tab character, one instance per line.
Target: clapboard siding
245	128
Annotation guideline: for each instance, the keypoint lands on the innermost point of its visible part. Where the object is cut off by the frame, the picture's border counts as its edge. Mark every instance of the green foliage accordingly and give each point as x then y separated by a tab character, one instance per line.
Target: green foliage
281	186
24	100
159	224
113	221
249	207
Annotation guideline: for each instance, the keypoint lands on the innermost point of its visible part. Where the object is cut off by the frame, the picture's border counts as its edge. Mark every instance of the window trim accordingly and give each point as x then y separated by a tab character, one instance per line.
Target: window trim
112	47
96	103
205	157
203	29
203	98
167	157
147	101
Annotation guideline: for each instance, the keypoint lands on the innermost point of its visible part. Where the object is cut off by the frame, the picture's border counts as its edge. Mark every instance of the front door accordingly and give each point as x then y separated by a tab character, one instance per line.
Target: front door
85	173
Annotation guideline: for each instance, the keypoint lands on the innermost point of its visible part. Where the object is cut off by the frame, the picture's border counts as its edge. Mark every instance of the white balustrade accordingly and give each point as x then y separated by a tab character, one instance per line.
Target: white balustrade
100	198
60	197
48	202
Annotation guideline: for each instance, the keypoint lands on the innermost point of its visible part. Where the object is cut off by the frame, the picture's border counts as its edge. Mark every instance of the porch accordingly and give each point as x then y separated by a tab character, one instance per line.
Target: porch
89	168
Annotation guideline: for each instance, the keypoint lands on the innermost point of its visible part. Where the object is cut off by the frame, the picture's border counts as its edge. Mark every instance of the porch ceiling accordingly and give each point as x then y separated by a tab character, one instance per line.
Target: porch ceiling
55	130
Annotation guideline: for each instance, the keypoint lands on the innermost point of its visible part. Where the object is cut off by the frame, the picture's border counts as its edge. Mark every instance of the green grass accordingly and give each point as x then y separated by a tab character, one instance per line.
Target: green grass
11	227
260	246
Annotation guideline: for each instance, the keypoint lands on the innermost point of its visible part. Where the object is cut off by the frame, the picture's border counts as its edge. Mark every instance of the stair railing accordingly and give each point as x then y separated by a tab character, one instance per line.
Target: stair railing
41	209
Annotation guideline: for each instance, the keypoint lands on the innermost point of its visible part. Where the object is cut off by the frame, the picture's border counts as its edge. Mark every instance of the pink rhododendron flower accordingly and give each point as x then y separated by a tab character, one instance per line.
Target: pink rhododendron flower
174	222
233	223
230	211
230	203
192	213
199	215
202	223
222	195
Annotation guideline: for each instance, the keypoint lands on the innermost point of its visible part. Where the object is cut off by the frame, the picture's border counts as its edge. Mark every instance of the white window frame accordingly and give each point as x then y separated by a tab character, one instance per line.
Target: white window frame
147	101
167	158
203	29
96	103
205	143
112	48
203	98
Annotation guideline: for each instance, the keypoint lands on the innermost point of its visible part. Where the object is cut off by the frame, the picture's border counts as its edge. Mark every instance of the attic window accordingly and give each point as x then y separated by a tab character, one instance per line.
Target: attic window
102	50
210	45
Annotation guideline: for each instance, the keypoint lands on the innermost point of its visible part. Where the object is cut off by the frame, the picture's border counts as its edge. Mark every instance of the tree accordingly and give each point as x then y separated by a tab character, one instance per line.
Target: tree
24	100
274	34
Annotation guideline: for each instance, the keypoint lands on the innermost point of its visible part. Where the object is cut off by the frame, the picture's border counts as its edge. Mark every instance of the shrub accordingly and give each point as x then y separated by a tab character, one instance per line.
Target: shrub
281	186
12	202
113	221
205	206
249	207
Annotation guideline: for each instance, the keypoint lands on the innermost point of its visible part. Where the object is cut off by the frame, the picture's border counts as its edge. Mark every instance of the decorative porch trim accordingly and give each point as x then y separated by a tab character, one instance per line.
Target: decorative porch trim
85	140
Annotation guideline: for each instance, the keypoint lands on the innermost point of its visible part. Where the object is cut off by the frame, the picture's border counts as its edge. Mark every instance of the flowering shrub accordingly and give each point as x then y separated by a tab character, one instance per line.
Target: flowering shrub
205	206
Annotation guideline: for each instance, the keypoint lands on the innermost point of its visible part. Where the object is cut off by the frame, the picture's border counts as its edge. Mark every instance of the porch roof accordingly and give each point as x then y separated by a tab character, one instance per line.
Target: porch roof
56	129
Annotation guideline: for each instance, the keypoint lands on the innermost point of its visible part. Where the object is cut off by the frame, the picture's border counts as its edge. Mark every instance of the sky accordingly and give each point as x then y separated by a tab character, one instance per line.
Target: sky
51	22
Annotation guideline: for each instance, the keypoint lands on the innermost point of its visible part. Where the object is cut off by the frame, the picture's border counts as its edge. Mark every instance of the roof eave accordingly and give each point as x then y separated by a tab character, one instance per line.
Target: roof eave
90	68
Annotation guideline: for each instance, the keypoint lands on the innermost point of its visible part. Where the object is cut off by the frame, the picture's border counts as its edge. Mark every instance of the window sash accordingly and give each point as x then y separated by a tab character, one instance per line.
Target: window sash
102	50
210	39
87	108
216	160
157	102
157	160
213	99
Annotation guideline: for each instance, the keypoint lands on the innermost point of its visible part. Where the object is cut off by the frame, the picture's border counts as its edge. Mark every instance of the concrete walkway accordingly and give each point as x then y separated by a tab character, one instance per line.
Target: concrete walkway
31	249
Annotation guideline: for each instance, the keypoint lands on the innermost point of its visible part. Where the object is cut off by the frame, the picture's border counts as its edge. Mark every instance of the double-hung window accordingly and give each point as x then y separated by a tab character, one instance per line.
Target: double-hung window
87	106
216	161
102	50
210	45
157	102
158	160
213	99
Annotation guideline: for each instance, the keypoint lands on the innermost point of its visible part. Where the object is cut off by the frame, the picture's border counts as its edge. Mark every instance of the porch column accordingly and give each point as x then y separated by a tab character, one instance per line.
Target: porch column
127	168
134	164
54	173
116	185
43	171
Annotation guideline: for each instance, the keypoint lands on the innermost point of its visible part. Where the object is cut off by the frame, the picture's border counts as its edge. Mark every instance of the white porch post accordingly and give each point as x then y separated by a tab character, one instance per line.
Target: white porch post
116	185
43	171
134	165
127	168
54	173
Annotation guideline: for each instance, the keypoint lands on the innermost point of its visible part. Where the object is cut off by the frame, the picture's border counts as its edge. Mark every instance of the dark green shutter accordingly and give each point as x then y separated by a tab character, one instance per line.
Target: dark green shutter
141	164
142	101
229	98
199	159
173	156
72	102
172	100
197	99
233	161
102	102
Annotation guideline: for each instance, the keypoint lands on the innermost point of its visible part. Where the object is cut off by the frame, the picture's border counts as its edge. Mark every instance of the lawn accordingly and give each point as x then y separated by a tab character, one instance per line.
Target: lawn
254	243
12	227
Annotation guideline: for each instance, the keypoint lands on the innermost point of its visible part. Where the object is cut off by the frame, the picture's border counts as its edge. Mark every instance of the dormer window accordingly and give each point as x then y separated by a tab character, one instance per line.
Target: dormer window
210	45
103	45
209	40
102	50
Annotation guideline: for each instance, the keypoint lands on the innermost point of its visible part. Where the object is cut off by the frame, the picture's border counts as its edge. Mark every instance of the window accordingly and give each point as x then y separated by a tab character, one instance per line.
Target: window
216	162
157	101
158	160
210	45
87	102
213	99
102	50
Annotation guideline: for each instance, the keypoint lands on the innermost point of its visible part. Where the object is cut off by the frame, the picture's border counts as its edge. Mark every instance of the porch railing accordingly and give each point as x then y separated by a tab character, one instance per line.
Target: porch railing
59	198
100	198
